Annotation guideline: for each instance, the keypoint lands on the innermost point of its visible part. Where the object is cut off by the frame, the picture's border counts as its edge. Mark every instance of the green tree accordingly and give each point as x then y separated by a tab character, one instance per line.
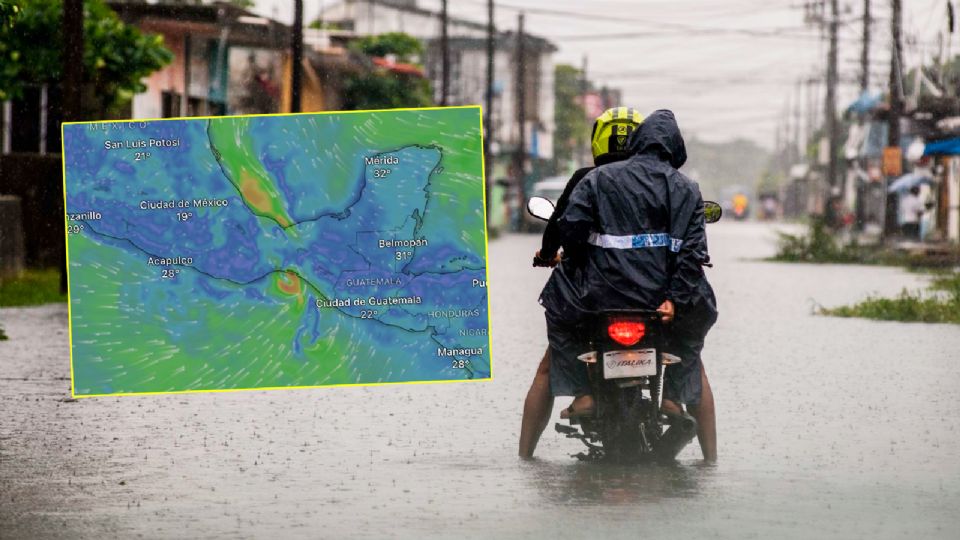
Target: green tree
571	119
404	46
8	12
116	56
320	24
381	88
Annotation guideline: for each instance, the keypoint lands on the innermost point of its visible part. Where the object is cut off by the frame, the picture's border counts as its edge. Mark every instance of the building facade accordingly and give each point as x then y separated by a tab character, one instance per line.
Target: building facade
226	60
468	68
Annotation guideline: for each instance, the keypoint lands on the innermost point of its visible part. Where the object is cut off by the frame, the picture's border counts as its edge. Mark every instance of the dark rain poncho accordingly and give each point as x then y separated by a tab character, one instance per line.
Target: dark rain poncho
634	233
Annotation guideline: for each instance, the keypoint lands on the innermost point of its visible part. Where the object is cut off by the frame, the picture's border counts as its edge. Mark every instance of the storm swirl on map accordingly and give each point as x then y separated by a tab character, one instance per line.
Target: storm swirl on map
276	251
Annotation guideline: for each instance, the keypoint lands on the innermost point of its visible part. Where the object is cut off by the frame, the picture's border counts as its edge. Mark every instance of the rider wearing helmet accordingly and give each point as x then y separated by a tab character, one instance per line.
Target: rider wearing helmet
608	142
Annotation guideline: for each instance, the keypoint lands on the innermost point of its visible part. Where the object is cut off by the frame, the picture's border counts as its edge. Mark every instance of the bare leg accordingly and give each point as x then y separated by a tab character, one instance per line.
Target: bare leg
536	408
706	421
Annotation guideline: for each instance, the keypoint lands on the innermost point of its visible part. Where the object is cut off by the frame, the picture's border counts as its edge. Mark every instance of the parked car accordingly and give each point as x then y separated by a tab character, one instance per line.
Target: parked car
549	188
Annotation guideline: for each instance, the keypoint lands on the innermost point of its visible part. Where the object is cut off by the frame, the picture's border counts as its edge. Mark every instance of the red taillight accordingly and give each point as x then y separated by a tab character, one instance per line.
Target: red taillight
626	333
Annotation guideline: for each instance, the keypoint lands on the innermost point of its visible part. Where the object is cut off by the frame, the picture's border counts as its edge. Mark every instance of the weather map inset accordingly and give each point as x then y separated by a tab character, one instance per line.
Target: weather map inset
281	251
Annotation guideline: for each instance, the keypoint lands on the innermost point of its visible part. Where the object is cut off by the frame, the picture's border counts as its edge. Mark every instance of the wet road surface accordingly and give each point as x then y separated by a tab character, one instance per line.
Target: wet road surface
828	428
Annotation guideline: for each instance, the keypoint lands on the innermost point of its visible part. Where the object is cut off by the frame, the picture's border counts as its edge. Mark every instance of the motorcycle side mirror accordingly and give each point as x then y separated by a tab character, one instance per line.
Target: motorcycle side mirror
540	208
712	212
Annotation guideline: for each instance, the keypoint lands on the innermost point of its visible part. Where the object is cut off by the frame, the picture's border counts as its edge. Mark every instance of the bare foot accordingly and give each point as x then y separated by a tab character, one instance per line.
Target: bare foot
581	406
668	406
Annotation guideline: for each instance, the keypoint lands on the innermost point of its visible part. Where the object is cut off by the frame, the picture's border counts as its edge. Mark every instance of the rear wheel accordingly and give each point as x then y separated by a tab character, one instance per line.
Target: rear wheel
624	437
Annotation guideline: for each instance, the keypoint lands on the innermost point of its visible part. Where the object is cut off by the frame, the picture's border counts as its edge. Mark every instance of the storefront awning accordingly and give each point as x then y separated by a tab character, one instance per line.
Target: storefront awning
946	147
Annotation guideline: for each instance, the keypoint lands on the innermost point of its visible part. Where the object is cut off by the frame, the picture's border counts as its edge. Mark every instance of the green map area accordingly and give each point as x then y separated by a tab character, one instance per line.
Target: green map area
276	251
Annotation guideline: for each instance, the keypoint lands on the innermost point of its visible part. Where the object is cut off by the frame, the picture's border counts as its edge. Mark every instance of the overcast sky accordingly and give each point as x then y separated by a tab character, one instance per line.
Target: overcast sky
727	68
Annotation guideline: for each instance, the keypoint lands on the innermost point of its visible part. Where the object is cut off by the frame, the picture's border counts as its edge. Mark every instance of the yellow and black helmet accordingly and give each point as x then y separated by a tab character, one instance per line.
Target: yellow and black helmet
611	131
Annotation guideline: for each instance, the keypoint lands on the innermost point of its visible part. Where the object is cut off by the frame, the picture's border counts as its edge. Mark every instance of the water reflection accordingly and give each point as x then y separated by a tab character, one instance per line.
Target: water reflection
605	484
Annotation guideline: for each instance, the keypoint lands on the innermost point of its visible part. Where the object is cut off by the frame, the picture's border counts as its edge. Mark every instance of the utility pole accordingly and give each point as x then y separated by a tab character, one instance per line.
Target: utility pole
488	109
896	84
444	55
72	82
892	154
521	154
785	129
815	110
585	152
856	191
865	53
830	109
797	119
72	59
185	96
787	132
296	57
778	139
810	104
583	76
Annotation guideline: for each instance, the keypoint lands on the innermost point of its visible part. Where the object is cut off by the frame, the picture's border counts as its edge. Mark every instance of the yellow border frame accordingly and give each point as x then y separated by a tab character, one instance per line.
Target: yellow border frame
486	245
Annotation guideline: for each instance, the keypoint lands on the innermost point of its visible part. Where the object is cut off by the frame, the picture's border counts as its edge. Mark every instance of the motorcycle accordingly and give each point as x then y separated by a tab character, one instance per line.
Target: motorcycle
625	363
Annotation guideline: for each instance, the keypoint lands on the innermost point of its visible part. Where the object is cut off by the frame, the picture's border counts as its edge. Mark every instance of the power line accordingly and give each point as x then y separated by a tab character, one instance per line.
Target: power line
656	24
687	33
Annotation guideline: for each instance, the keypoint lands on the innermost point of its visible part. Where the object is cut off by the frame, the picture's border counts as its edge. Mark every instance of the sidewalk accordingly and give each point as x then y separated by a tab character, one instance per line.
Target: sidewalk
36	436
38	349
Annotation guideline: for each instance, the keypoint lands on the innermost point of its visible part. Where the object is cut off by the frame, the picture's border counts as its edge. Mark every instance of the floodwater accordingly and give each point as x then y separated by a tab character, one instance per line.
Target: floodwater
828	428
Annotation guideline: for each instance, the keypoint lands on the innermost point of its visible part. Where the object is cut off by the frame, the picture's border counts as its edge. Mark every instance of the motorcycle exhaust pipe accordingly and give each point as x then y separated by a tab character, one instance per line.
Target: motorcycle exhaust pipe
682	430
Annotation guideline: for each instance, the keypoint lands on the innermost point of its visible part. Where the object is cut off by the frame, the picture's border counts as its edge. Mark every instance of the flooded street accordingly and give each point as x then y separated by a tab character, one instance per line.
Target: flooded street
828	428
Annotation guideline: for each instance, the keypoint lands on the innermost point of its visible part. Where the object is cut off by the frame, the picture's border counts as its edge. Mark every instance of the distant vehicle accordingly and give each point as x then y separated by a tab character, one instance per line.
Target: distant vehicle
549	188
736	202
769	205
741	206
